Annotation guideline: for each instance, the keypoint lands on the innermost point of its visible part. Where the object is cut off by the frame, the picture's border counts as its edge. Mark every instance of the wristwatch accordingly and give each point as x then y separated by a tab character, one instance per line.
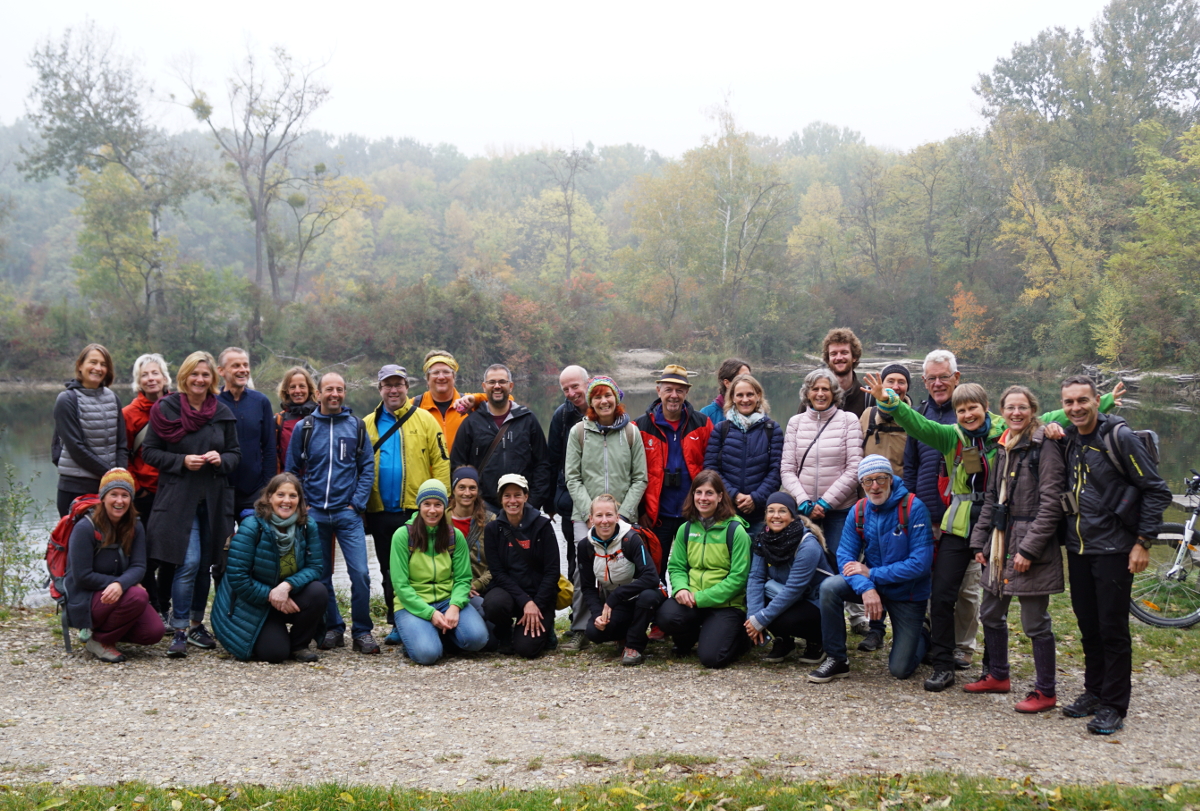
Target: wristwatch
1145	543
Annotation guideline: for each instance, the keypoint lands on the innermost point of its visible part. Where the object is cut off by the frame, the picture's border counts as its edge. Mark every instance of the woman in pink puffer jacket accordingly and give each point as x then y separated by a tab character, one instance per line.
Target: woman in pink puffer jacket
821	451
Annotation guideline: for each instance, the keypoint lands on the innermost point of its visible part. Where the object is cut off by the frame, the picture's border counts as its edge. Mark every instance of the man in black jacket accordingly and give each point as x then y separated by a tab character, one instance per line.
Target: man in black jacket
573	381
504	438
1115	501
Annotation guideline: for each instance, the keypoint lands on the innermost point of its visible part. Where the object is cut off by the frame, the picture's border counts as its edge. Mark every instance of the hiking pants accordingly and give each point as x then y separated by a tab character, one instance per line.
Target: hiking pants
628	621
276	641
719	634
500	609
1100	587
130	619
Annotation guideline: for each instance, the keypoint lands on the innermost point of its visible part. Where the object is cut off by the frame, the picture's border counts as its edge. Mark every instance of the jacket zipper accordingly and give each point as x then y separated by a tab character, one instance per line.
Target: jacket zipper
606	487
329	472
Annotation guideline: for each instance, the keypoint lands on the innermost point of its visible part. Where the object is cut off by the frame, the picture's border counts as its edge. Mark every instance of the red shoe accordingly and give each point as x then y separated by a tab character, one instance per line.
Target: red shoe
988	684
656	634
1036	701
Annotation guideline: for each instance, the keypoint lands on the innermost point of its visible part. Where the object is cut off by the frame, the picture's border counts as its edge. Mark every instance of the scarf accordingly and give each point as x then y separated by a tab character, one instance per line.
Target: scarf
780	547
285	532
982	431
744	423
299	412
190	420
618	424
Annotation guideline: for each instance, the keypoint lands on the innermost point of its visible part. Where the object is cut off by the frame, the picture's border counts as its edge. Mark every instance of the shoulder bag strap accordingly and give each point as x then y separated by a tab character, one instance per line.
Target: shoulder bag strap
487	457
820	431
396	426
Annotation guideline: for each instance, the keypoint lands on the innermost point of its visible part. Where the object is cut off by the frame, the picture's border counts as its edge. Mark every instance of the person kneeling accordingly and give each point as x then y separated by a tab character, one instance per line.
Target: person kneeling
273	580
106	560
890	530
708	569
431	574
619	581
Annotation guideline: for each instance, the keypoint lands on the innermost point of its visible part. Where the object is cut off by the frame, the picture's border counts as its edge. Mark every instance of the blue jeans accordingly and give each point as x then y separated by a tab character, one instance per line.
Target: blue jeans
423	642
348	527
831	525
909	641
186	574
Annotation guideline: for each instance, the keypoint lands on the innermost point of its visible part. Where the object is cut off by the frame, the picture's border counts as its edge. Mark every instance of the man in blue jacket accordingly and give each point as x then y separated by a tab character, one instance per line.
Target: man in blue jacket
255	428
330	453
891	531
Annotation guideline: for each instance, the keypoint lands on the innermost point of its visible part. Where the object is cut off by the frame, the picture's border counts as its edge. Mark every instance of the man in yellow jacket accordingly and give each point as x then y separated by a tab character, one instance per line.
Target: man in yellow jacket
409	449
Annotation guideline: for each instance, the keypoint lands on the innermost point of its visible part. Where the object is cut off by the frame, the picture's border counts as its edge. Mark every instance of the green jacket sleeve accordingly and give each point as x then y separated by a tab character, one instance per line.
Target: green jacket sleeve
1058	415
917	426
677	565
405	593
734	584
460	595
573	471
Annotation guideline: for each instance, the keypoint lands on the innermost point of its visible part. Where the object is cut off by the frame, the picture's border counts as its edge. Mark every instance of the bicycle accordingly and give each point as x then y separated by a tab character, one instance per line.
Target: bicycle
1167	593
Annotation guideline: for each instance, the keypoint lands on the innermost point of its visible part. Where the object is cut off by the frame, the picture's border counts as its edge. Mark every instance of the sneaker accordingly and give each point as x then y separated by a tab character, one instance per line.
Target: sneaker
178	647
393	638
631	657
1106	721
333	639
574	641
105	653
782	649
1036	701
861	628
199	636
988	684
962	660
873	641
366	644
1083	706
829	670
165	616
939	681
305	655
813	654
656	634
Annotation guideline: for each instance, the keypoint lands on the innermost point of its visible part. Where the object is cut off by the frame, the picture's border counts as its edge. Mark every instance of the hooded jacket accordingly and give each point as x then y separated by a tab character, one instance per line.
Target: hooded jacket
338	474
830	470
701	562
694	431
522	450
606	460
748	461
801	579
614	571
420	446
923	463
423	576
89	436
900	561
524	559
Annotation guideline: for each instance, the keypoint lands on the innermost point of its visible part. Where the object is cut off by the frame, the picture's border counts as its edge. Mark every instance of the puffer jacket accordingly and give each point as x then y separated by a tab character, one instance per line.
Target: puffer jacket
1034	514
831	468
339	470
423	576
251	571
901	562
422	452
89	436
605	460
702	562
694	430
748	461
799	579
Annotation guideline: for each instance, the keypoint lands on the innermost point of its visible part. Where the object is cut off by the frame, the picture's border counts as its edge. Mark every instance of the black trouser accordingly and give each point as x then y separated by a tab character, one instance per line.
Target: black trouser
800	619
382	526
949	565
159	575
718	633
500	609
568	531
628	620
275	641
665	530
65	497
1100	589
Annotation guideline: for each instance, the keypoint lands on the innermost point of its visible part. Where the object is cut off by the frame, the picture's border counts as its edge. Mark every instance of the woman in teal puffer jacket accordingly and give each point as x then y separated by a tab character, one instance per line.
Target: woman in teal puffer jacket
273	580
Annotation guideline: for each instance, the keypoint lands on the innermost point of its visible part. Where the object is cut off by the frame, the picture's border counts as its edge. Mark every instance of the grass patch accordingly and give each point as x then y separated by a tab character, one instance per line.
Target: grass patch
911	793
656	760
496	761
535	764
591	758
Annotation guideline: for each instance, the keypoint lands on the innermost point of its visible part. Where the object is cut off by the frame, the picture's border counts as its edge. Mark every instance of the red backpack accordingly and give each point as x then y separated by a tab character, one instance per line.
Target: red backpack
650	541
60	537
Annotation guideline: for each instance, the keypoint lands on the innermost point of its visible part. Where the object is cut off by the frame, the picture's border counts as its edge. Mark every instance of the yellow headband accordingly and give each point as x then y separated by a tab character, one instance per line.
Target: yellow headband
446	359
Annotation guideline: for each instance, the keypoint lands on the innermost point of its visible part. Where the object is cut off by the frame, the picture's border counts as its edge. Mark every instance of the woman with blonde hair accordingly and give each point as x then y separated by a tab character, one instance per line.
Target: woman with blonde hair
297	399
746	448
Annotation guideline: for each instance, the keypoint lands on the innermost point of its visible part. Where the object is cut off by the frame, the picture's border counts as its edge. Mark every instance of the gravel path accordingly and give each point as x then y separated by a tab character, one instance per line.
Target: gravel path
480	721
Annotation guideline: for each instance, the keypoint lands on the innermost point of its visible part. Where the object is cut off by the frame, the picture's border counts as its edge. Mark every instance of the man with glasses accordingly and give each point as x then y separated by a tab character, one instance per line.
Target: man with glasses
924	472
503	438
409	450
890	531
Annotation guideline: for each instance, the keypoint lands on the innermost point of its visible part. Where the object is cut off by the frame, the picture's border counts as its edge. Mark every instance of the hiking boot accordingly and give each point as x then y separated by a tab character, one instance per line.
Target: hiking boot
333	639
393	638
1083	706
988	684
861	628
813	654
105	653
829	670
656	634
1036	701
574	641
1106	721
305	655
199	636
782	649
178	647
939	681
366	644
962	660
631	657
873	641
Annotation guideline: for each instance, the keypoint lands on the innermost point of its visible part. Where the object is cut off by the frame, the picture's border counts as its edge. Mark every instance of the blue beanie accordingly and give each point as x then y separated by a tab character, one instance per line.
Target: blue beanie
432	488
785	499
874	464
463	472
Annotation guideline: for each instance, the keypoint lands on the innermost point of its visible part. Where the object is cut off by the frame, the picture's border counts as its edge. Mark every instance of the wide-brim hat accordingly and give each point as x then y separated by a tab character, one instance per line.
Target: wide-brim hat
675	374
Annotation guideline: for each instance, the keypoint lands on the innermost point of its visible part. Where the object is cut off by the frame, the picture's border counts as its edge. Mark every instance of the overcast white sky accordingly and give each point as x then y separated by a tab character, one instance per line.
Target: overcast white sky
524	74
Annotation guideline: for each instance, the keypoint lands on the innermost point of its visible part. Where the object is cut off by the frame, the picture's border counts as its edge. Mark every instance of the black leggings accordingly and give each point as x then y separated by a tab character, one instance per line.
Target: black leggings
500	609
628	620
275	642
949	565
718	633
65	497
159	575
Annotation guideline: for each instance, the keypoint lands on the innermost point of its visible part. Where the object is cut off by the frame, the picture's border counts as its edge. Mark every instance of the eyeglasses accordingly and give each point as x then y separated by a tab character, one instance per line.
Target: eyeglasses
876	481
393	386
938	378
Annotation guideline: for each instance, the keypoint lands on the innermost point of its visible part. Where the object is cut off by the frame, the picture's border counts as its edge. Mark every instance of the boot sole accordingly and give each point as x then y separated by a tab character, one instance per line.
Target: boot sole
1035	712
826	679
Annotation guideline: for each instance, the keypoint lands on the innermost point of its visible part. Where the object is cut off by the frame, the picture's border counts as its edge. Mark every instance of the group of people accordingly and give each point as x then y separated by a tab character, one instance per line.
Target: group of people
717	527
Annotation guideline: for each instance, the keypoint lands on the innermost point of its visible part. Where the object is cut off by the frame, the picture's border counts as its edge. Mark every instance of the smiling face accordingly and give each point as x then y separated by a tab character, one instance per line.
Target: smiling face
604	403
897	383
820	394
940	382
199	381
285	500
1016	412
878	487
297	390
235	371
604	519
971	416
497	386
745	399
432	511
1082	407
706	499
394	391
779	517
332	393
116	503
574	387
151	380
841	359
440	379
92	370
513	499
673	396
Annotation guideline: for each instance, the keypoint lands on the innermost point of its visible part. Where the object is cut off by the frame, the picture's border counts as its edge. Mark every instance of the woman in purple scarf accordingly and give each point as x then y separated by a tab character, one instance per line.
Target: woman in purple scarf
193	442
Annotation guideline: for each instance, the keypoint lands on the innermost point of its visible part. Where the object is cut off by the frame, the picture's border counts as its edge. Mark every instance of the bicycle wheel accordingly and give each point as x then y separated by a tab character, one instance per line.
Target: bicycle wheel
1164	595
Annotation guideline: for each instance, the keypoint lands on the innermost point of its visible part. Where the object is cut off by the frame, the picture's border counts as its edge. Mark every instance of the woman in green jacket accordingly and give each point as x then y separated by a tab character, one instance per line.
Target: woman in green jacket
707	571
273	580
431	573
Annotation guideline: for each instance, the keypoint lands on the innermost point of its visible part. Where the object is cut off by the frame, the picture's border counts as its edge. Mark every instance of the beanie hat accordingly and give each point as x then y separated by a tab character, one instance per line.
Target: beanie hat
117	477
785	499
896	369
464	472
602	380
432	488
874	464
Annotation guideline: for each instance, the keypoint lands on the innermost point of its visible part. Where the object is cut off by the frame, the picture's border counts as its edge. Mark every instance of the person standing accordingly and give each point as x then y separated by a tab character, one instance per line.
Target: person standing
409	449
730	368
505	437
297	399
573	380
841	350
1117	500
255	427
746	448
333	460
441	374
89	429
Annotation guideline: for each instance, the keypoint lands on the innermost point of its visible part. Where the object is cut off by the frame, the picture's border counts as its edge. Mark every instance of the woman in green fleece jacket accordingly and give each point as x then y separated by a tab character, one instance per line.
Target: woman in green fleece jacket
431	573
707	571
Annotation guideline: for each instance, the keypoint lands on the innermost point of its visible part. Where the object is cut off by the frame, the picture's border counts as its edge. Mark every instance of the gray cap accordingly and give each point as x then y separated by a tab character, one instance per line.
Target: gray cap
392	370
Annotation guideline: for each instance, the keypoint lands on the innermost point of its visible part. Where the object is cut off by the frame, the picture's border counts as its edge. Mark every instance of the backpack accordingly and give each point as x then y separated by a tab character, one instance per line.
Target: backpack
1149	443
581	433
903	514
306	431
653	546
60	538
874	429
